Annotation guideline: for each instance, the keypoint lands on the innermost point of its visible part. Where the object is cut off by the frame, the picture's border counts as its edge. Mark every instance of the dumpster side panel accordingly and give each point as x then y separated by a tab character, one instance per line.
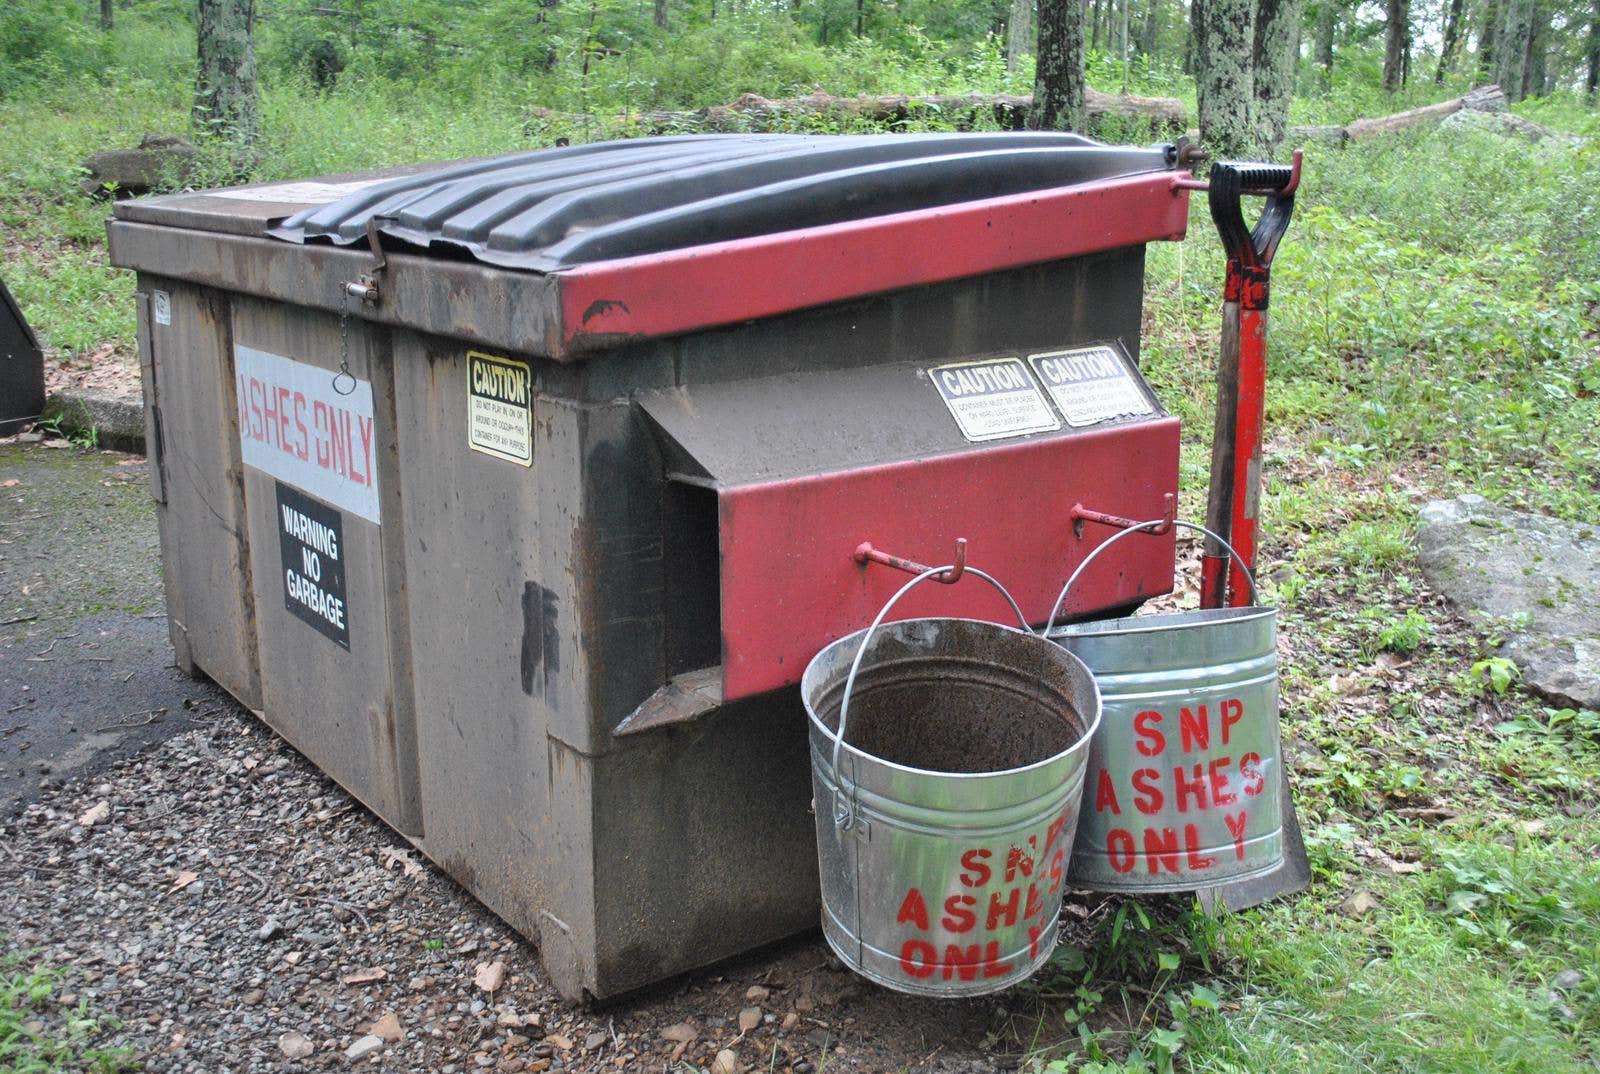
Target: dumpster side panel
205	544
495	551
323	580
709	847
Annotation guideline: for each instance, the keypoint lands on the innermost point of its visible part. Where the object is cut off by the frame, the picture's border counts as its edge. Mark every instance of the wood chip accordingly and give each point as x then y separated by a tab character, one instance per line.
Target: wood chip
366	976
95	814
681	1033
490	975
184	879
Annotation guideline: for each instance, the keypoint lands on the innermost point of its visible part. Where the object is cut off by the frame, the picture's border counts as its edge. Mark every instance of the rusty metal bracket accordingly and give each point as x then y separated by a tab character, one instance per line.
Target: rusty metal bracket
1082	514
865	554
366	287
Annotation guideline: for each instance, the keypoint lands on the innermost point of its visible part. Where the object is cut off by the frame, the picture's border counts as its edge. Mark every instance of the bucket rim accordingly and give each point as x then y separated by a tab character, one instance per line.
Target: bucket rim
1163	622
1083	742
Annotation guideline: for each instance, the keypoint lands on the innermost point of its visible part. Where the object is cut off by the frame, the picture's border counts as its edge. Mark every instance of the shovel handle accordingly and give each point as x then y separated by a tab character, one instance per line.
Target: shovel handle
1092	556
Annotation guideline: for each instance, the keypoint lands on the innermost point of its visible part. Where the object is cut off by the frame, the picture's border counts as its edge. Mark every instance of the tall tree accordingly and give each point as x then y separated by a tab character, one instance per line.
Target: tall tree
1489	37
1452	41
1396	39
1149	28
1327	25
107	15
1275	59
1512	47
225	81
1225	77
1059	96
1019	32
1592	82
661	14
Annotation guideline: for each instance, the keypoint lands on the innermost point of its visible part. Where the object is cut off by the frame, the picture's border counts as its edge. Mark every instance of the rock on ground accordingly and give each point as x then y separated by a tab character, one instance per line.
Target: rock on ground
160	159
1535	578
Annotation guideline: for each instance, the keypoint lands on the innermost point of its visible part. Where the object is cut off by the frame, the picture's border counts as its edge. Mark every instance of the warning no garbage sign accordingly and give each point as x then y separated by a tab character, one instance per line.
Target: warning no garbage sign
311	541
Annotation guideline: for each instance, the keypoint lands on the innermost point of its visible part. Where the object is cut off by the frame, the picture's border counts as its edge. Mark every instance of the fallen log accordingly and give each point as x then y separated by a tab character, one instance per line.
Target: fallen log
1482	99
962	111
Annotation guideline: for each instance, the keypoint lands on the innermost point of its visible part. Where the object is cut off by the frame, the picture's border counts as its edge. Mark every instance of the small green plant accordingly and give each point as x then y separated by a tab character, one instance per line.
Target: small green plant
433	943
1494	675
1405	634
28	1045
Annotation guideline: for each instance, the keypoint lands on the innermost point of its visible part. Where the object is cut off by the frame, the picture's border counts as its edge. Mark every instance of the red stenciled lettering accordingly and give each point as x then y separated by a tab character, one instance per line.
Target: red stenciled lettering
992	966
1161	850
1018	860
269	413
322	426
1034	932
1057	860
1195	728
958	915
283	397
1053	832
1255	781
1147	785
364	430
1033	904
1147	725
963	960
974	860
257	422
1119	850
1185	787
918	958
913	910
340	462
302	447
1232	713
1106	795
1221	796
1191	850
1006	910
1236	823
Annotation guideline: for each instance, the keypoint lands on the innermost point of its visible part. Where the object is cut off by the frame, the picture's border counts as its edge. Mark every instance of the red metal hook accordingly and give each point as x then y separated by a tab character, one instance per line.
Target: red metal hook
1082	514
865	554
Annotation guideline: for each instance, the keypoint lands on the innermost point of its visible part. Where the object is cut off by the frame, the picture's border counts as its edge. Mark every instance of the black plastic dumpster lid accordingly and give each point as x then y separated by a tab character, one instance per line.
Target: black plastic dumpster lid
558	208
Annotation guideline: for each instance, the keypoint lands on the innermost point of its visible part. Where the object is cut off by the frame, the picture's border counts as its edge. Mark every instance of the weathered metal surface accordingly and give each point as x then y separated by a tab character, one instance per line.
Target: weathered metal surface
1182	776
962	767
684	697
556	208
21	367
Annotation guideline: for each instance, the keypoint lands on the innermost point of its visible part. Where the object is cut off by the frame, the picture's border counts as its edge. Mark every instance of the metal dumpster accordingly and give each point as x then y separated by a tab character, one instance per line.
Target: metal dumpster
517	493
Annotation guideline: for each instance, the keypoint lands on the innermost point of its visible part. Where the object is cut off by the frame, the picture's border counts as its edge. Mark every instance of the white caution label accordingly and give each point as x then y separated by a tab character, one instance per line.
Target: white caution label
1092	384
297	425
161	304
993	399
500	407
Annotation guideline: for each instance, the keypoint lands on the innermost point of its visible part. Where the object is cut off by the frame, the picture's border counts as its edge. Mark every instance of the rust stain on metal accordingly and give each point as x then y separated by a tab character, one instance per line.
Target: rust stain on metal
602	306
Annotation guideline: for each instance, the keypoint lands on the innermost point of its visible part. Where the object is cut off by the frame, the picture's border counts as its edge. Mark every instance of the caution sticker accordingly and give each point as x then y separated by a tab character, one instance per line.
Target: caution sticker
993	399
311	546
500	407
1092	384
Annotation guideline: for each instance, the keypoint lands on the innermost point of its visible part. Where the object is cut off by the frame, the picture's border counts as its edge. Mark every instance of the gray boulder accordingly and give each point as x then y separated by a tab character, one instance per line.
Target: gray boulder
1535	578
160	160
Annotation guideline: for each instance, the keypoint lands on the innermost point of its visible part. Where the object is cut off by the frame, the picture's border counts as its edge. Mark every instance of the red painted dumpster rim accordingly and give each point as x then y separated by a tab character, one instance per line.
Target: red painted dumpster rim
608	302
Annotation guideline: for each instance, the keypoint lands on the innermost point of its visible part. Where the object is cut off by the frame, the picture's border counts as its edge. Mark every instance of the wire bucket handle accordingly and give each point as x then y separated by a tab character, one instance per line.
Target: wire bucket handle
1255	597
844	812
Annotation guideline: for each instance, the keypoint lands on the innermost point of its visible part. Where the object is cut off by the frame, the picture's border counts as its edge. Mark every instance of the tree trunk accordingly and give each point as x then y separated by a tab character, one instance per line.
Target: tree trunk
1488	35
1327	23
1059	98
1019	33
1534	56
1397	14
1094	22
1151	26
661	14
225	86
1452	41
1225	79
1592	83
107	15
861	17
1276	52
1511	49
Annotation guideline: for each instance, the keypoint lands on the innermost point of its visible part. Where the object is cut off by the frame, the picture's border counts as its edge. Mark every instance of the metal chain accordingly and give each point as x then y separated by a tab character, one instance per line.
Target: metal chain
344	346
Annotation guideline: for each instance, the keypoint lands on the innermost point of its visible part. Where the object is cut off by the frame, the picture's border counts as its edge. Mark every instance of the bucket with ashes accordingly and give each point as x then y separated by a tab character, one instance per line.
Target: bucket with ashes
947	760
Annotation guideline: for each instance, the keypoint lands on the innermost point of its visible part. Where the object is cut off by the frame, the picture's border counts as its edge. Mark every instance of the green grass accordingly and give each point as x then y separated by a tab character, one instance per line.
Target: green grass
40	1036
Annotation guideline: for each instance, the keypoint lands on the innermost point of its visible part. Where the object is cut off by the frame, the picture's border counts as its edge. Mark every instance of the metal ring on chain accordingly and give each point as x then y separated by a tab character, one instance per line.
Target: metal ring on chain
344	374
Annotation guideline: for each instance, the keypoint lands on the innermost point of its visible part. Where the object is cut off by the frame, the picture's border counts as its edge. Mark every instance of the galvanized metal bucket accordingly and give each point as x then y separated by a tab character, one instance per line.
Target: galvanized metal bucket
1183	776
947	760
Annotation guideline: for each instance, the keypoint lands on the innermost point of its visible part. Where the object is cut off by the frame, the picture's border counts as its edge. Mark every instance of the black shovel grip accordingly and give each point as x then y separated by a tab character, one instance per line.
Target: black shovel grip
1233	180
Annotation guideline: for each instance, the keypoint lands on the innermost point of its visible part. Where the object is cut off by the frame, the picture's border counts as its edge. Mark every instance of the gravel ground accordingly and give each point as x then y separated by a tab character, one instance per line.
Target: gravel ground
237	911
